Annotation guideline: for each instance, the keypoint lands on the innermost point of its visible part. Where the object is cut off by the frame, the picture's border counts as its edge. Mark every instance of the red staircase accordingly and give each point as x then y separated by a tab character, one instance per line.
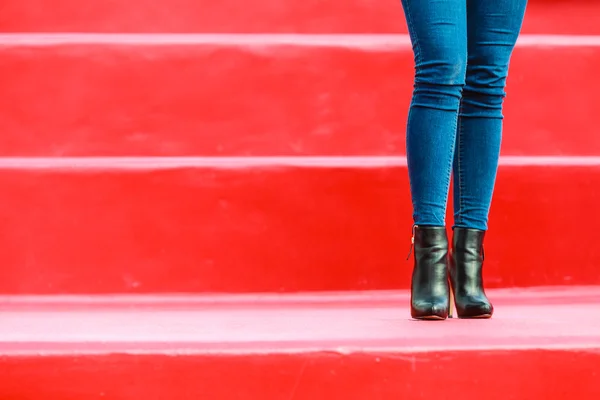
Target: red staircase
202	200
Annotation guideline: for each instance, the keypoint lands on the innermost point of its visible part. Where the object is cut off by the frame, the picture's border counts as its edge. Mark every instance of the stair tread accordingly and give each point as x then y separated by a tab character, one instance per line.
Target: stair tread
525	319
163	95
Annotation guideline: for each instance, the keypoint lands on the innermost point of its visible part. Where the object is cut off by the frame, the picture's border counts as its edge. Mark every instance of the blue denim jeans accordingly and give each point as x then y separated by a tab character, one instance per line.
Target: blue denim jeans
462	50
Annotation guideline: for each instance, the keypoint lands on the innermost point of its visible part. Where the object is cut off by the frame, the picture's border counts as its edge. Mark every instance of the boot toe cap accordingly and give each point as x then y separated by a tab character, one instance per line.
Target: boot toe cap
477	310
429	310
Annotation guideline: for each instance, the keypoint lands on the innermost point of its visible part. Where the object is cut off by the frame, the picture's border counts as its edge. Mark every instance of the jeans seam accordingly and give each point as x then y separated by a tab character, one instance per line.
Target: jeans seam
459	155
451	158
417	51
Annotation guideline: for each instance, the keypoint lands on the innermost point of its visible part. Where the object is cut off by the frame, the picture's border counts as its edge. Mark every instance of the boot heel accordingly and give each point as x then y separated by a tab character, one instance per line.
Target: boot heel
451	303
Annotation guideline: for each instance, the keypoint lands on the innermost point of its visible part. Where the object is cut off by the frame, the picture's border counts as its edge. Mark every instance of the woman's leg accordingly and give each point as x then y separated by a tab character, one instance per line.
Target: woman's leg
493	28
439	36
438	30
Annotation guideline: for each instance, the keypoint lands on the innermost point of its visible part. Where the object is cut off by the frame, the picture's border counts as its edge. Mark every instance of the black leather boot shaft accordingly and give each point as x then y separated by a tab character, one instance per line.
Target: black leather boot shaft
429	289
466	264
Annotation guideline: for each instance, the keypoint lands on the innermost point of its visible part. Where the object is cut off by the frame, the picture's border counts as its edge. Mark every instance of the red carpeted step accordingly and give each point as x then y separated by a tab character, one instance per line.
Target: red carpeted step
540	344
227	225
311	16
265	95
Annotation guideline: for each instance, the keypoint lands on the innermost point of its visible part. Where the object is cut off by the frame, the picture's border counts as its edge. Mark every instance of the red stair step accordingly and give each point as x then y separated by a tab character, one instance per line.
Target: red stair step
240	95
540	344
160	228
312	16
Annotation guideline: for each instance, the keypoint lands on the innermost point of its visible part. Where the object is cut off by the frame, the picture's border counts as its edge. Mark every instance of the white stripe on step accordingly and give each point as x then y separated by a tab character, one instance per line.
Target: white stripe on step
361	41
169	346
152	163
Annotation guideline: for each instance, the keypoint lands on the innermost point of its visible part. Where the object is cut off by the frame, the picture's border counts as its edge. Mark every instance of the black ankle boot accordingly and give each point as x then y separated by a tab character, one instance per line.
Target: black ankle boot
466	277
429	289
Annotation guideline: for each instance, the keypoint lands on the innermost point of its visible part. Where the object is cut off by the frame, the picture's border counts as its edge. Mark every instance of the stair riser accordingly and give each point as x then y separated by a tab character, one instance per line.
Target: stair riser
544	16
553	375
272	229
218	99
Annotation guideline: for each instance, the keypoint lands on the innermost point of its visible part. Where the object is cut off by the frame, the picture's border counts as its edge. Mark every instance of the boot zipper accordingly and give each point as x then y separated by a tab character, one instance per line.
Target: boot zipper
412	242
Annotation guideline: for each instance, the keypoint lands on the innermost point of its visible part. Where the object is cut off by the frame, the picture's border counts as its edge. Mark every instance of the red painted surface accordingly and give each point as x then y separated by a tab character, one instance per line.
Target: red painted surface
533	374
368	348
532	296
278	229
356	16
238	100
